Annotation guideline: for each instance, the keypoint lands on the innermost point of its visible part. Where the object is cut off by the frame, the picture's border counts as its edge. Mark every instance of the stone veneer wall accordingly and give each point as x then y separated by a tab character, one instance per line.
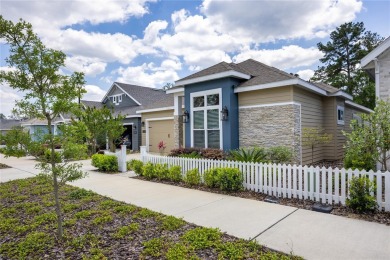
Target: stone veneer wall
178	131
269	126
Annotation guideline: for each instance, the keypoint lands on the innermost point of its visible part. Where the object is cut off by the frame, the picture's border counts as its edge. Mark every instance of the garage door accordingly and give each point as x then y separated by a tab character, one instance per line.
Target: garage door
161	130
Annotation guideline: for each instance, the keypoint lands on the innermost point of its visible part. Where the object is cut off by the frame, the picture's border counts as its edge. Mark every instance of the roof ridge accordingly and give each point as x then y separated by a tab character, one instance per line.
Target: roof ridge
270	67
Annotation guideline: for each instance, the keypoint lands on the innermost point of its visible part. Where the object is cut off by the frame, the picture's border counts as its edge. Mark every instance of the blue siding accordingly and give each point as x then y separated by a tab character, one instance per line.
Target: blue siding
229	99
136	133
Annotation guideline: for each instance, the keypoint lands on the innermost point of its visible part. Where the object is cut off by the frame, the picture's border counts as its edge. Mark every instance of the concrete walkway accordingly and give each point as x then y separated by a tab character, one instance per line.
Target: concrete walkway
287	229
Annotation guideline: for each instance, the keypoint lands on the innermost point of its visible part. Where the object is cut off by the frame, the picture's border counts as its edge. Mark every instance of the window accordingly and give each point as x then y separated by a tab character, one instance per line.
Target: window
357	117
117	99
205	123
340	115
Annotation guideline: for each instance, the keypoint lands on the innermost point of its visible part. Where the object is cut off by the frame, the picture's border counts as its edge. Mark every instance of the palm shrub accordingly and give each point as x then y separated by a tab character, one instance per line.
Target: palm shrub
174	173
210	178
148	171
254	154
161	171
229	179
192	177
360	198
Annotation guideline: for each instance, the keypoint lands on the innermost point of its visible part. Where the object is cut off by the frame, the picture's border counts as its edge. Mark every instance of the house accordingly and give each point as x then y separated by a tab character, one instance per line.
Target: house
135	102
247	104
8	124
377	65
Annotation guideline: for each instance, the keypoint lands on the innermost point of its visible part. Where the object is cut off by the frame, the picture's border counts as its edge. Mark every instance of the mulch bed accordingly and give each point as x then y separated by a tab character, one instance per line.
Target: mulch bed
4	166
92	222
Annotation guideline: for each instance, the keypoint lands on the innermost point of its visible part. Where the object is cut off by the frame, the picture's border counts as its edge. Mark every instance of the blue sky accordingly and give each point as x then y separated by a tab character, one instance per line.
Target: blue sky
150	43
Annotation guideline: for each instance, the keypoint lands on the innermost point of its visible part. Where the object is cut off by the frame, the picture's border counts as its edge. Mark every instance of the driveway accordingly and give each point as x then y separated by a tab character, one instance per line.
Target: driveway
309	234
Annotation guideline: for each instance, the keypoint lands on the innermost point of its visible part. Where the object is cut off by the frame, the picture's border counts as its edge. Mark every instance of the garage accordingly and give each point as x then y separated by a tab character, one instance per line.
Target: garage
160	130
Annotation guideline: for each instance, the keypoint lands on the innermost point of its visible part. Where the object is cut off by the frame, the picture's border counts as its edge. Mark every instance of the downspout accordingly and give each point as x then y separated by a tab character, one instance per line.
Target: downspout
376	77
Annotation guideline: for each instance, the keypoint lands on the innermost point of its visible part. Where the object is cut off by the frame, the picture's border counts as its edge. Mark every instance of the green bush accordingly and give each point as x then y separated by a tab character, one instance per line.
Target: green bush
201	238
194	154
279	154
210	178
73	151
174	173
136	166
255	154
105	163
192	177
47	156
161	171
229	179
359	160
148	171
360	198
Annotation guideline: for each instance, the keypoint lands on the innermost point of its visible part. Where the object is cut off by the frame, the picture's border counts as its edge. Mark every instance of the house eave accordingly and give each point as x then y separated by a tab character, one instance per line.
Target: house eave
366	62
353	104
225	74
155	110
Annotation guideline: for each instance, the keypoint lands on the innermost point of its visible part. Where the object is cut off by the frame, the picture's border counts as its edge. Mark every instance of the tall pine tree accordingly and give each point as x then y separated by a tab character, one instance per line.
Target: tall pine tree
348	44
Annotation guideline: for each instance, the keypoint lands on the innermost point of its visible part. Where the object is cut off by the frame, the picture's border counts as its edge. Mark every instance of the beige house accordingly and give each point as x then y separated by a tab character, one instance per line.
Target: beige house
377	65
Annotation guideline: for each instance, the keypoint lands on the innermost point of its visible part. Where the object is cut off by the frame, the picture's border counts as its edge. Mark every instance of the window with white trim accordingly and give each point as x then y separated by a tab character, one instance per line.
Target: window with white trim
205	123
116	99
340	115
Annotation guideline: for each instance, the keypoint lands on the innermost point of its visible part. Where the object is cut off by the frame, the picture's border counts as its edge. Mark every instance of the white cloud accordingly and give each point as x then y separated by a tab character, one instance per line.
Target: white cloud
90	66
146	75
287	57
264	21
94	93
8	98
305	74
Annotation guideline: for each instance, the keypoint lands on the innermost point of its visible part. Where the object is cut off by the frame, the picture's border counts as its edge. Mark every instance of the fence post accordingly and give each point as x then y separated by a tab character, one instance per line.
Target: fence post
387	191
122	167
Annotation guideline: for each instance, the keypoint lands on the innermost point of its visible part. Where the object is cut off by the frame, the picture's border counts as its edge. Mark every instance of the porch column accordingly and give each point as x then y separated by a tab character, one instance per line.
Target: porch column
178	121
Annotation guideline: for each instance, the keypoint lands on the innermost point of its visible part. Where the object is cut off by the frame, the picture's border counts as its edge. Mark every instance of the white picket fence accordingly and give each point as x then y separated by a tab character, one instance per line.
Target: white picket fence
325	185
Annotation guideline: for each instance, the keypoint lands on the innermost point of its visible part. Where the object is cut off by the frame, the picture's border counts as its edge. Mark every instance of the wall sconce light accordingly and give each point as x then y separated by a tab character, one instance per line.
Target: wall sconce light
224	114
135	127
186	116
143	123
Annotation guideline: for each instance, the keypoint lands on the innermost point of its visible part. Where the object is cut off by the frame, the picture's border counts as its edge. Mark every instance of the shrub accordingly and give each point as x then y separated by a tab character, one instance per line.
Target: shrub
148	171
161	171
201	238
192	177
279	154
105	163
73	151
359	160
182	151
47	156
174	173
212	153
210	178
136	166
81	193
191	155
172	223
360	198
154	247
229	179
255	154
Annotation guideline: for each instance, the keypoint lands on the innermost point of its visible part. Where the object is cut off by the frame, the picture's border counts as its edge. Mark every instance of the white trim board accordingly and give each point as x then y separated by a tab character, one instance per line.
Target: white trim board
225	74
133	116
155	110
353	104
147	128
175	90
270	105
375	53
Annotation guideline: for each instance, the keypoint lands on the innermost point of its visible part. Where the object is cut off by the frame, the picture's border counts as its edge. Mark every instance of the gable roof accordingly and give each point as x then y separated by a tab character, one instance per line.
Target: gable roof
8	124
255	75
91	104
367	61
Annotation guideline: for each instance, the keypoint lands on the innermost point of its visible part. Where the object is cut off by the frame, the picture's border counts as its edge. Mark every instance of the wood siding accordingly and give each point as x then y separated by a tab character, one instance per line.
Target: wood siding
265	96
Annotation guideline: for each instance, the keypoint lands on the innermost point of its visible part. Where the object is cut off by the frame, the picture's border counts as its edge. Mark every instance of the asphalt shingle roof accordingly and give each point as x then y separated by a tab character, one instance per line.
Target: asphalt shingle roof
7	124
326	87
91	104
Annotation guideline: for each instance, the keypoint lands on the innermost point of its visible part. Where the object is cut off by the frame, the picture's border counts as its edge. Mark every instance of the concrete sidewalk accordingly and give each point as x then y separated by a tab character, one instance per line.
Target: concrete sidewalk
302	232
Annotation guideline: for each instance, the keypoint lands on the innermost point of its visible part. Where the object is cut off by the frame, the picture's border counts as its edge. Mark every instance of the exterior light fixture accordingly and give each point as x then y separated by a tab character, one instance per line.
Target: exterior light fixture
224	114
186	116
143	124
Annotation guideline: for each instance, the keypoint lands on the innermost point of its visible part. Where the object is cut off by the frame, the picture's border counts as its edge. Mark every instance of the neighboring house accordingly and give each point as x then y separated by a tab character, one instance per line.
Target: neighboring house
265	107
8	124
138	103
38	127
377	65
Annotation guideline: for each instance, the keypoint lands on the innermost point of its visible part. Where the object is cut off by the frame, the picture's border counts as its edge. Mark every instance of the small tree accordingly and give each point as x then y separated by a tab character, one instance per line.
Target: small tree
48	93
369	141
114	128
313	136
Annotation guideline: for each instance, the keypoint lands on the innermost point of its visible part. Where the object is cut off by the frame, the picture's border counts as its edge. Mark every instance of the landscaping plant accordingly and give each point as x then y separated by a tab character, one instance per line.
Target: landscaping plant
229	179
161	171
210	178
48	93
136	166
279	154
192	177
360	198
105	163
313	137
254	154
148	171
174	173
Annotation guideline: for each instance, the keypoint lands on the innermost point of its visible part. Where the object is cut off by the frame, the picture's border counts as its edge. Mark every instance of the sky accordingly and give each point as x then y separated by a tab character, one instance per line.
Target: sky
151	43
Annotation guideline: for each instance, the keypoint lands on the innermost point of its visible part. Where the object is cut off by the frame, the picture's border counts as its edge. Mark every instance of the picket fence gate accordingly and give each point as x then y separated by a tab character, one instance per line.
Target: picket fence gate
324	185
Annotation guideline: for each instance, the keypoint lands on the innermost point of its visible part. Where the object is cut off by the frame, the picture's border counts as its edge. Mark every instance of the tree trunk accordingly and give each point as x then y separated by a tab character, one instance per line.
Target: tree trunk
53	162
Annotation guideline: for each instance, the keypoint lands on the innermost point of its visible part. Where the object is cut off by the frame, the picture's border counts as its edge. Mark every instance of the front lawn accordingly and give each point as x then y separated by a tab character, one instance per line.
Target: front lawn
97	227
